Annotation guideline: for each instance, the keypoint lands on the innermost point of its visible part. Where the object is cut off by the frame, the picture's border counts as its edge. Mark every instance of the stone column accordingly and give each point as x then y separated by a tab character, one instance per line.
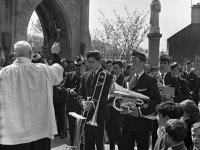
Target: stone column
154	44
7	25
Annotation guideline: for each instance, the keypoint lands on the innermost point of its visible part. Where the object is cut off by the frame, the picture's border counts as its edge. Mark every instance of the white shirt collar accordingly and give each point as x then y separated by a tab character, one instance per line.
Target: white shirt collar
97	71
22	60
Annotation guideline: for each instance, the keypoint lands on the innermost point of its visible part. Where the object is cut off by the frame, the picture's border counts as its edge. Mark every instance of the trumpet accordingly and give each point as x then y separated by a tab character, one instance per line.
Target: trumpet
126	99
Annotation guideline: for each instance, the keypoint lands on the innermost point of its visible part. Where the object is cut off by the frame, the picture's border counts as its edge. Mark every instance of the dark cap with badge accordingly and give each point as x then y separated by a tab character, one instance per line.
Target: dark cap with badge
95	54
78	61
118	62
165	57
140	55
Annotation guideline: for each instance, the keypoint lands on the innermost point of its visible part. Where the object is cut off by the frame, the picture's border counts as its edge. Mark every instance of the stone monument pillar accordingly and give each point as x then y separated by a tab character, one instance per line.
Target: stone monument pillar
154	33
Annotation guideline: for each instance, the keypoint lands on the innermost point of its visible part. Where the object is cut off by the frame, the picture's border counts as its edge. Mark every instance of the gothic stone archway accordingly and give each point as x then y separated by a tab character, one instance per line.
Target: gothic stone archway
71	16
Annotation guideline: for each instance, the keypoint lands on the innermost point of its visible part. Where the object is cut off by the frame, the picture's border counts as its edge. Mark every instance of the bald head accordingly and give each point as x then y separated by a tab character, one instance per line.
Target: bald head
23	49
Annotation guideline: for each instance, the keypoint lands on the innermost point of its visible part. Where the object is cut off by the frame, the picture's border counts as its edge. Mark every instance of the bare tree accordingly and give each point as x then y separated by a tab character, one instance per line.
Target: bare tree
121	35
36	38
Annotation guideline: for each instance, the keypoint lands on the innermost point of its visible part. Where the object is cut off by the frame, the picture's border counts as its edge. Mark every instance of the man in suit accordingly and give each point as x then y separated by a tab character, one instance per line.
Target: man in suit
136	127
72	84
113	125
193	82
184	88
94	135
167	79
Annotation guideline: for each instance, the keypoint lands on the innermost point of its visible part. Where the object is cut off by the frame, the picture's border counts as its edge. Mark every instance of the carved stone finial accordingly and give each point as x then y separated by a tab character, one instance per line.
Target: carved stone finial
154	17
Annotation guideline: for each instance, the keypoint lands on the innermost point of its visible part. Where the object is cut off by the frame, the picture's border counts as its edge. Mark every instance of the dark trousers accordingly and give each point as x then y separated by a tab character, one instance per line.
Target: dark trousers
94	136
113	129
43	144
60	117
140	137
154	133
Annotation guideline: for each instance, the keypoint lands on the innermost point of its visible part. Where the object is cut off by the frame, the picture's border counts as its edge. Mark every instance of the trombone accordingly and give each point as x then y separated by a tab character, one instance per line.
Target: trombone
96	96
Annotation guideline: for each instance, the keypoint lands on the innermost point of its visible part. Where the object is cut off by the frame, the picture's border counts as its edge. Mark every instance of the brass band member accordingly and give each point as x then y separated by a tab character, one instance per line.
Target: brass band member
167	79
136	128
113	125
184	85
72	82
94	135
193	81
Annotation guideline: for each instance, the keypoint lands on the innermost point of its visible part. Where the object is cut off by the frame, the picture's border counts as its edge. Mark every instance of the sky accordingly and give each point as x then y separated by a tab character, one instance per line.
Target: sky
174	16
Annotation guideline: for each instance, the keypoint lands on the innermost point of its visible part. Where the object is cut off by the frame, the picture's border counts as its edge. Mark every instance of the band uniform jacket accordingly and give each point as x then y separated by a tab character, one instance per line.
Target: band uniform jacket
193	81
184	87
173	82
87	87
73	81
146	85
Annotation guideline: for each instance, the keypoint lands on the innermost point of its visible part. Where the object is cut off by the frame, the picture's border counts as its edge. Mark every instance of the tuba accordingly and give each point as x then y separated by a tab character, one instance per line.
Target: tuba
81	119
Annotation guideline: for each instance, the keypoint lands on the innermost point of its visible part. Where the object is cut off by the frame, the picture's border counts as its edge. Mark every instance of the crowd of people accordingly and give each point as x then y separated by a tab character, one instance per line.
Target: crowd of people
37	96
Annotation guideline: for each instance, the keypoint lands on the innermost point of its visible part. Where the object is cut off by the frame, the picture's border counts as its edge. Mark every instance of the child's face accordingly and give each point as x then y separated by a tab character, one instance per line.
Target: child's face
162	120
196	137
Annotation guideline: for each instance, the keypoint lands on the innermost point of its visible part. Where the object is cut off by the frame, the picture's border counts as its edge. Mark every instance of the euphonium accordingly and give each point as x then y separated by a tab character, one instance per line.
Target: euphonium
120	102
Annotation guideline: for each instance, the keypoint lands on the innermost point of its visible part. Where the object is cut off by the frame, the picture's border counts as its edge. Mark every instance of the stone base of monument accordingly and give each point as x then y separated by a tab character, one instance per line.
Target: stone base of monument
154	44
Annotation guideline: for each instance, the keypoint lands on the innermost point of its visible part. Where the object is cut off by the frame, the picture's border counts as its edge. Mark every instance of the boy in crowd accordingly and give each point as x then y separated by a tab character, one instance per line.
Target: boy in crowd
195	133
175	132
166	110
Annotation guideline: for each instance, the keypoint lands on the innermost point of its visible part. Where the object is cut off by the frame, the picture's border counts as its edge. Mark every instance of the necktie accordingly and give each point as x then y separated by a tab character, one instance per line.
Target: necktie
133	81
163	81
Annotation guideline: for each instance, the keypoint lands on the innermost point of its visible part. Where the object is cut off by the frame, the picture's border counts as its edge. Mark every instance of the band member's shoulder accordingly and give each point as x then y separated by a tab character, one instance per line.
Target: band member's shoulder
150	78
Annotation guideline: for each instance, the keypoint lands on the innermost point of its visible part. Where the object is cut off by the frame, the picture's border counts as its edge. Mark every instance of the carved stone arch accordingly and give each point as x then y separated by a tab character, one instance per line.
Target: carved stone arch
72	16
52	16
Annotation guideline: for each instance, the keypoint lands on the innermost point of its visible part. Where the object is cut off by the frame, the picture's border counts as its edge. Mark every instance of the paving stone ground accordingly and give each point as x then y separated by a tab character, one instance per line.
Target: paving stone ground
61	144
